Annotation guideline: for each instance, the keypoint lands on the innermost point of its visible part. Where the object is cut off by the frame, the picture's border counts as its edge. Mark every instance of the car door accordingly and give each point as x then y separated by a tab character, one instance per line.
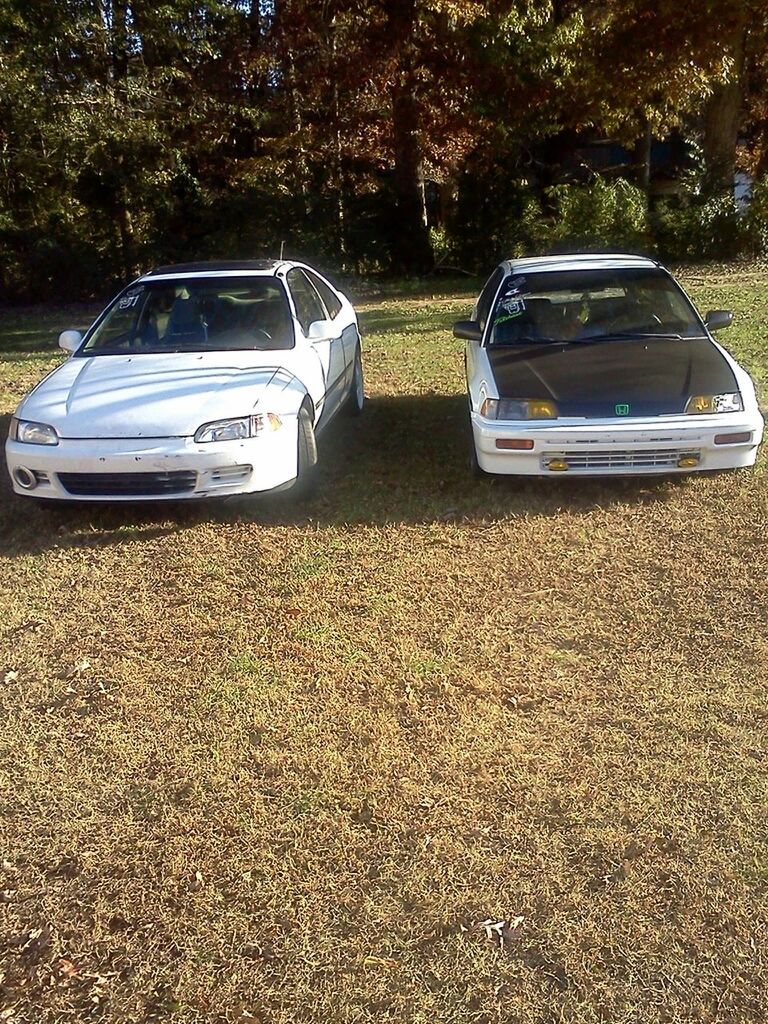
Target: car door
341	312
308	308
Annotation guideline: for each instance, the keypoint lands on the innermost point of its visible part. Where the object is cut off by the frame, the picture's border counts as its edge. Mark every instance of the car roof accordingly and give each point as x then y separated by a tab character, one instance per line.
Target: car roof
578	261
218	268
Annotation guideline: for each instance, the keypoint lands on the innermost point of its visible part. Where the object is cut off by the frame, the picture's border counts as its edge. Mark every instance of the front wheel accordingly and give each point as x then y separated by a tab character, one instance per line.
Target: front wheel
475	468
356	400
306	470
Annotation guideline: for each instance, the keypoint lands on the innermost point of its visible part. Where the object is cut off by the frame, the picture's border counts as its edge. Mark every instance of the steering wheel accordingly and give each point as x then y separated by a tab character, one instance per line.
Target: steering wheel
632	320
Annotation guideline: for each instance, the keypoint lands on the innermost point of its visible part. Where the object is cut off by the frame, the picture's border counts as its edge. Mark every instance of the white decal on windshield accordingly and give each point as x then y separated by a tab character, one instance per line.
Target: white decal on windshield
509	308
514	285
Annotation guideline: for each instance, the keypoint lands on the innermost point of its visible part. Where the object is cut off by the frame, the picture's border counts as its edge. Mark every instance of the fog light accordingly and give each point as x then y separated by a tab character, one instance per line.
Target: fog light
514	444
25	478
742	438
688	461
557	465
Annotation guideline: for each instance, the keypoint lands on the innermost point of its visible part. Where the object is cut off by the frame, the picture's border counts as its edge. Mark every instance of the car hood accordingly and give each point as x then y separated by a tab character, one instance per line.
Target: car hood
649	376
149	395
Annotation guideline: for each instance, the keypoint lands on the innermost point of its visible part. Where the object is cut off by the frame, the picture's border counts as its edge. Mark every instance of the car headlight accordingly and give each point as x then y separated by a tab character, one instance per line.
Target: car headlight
518	409
238	428
29	432
702	404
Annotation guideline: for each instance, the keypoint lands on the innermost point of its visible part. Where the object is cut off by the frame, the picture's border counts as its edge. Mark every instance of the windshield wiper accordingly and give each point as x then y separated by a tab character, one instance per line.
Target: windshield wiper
638	336
526	341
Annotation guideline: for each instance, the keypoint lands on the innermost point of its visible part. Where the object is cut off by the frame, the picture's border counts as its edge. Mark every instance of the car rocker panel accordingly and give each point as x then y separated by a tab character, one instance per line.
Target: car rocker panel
612	405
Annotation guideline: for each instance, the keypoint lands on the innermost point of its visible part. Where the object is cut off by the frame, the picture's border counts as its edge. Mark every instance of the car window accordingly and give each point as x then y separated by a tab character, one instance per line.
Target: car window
195	314
305	298
331	301
590	305
487	296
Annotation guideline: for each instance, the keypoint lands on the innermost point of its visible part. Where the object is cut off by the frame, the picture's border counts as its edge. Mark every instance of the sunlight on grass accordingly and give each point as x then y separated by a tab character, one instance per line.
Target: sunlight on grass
427	750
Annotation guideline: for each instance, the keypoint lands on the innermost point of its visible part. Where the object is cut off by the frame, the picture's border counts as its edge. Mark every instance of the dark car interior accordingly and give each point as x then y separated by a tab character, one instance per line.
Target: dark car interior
222	321
197	315
566	307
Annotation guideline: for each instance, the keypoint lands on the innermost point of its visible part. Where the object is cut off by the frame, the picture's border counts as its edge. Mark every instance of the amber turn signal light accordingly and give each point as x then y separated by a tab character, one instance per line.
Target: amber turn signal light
514	444
740	438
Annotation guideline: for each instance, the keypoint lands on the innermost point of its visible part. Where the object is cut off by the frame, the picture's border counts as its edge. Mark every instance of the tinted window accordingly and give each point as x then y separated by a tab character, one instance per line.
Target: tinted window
584	305
305	298
331	301
196	314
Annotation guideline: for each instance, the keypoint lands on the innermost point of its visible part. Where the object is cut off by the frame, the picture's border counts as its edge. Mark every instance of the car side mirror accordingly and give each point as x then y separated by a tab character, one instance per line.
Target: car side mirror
470	330
716	319
70	341
321	330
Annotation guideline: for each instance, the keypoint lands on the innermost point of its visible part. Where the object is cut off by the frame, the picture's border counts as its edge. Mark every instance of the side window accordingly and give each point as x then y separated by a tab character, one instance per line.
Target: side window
487	296
331	301
308	305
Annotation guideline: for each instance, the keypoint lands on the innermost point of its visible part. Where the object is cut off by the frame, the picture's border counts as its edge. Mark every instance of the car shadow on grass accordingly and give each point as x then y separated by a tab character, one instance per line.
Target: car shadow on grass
406	460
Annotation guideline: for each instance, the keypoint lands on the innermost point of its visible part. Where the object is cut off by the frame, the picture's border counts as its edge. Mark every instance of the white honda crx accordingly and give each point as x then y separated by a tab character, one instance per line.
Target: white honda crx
602	366
198	380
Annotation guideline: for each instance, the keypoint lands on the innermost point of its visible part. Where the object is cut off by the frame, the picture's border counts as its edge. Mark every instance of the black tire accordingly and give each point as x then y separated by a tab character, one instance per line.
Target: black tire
475	468
306	475
355	402
56	504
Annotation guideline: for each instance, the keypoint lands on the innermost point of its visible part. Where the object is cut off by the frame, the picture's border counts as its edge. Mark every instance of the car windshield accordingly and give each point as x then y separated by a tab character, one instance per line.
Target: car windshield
591	305
195	315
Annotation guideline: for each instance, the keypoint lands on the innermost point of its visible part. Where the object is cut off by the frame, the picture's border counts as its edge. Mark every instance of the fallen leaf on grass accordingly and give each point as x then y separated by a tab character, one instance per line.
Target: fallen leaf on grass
66	968
11	677
500	932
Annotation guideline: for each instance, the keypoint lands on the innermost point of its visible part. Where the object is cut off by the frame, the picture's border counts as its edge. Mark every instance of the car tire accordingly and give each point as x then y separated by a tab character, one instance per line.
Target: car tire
355	402
306	472
475	468
54	504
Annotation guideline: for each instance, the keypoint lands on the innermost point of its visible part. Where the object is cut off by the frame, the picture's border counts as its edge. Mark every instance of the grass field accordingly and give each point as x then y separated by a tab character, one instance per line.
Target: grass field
429	750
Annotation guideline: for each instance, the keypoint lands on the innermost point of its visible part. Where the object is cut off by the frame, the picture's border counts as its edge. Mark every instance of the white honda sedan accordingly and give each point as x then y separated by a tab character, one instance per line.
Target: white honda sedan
602	366
198	380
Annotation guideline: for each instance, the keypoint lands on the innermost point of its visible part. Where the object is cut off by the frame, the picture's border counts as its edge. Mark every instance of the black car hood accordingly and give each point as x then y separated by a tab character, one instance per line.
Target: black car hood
650	377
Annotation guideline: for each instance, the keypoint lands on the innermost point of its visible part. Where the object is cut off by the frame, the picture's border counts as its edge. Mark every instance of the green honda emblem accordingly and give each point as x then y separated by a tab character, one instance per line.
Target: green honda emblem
621	409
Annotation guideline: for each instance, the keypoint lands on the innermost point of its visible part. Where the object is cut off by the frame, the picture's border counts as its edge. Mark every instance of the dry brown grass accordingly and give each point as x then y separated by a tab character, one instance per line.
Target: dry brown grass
275	766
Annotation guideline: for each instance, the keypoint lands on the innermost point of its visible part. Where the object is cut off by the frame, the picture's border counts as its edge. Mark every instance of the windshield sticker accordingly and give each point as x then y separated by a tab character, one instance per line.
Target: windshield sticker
130	299
515	285
509	309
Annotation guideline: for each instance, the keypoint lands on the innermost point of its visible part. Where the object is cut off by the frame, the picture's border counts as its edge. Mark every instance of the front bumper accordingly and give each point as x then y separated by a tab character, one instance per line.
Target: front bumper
638	447
131	469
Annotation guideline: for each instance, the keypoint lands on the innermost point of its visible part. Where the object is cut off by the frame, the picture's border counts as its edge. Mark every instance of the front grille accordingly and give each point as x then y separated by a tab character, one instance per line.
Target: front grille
654	458
139	485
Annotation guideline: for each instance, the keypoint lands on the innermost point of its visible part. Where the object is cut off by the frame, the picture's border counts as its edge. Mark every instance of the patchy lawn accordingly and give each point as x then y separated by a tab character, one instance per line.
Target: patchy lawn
430	750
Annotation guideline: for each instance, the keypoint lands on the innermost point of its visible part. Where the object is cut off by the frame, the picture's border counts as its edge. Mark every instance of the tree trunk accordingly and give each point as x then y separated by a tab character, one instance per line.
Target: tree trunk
722	114
643	161
119	41
125	227
411	253
411	250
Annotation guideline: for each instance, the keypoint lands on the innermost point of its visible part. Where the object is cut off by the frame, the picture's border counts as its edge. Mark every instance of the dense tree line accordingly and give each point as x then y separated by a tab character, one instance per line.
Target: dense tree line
366	135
